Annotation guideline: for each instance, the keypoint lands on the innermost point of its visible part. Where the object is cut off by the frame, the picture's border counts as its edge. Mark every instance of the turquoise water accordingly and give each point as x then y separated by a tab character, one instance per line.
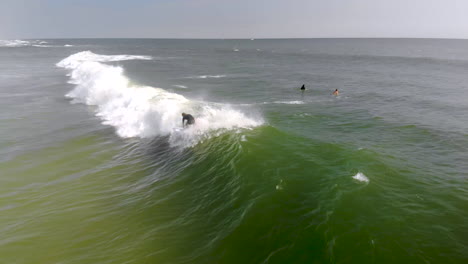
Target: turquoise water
94	167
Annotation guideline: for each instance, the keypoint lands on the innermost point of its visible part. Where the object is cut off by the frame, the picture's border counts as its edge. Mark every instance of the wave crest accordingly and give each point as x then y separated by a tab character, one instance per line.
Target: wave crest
144	111
14	43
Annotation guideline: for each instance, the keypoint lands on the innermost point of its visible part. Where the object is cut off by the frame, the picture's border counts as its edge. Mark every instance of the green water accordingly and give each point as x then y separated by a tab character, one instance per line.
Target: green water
242	201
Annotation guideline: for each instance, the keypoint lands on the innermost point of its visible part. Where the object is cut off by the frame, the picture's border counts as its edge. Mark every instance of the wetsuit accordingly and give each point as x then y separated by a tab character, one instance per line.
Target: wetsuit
303	87
189	118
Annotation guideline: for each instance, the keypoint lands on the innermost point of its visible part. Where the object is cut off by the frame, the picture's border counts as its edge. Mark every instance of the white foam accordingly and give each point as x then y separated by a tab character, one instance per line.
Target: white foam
41	46
288	102
208	76
180	86
68	45
23	43
361	177
74	61
279	187
14	43
143	111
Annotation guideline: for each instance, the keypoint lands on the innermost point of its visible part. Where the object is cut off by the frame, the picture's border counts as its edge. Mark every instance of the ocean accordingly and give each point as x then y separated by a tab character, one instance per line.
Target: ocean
95	166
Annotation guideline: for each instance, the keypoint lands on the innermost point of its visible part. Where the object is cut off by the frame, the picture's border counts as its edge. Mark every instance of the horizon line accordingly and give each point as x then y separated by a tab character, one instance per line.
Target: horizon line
248	38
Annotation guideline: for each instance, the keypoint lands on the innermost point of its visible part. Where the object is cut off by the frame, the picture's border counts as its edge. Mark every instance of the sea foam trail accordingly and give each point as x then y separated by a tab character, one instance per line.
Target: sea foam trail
14	43
288	102
207	76
361	177
144	111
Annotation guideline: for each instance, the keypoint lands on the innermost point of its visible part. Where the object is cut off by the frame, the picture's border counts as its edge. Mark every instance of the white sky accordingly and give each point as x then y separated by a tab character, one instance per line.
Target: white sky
233	18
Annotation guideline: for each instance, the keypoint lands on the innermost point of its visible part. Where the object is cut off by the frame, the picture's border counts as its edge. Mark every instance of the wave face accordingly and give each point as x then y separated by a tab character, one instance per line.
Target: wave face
144	111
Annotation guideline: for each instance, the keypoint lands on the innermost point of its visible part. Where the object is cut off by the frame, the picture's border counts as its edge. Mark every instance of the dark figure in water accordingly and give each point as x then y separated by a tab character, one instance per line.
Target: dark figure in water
303	87
189	118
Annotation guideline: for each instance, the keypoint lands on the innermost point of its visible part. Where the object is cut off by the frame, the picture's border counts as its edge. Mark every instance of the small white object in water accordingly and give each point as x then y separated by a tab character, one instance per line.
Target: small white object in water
361	177
279	186
288	102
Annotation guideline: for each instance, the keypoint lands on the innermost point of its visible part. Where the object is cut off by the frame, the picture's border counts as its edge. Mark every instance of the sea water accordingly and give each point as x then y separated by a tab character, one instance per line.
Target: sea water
96	168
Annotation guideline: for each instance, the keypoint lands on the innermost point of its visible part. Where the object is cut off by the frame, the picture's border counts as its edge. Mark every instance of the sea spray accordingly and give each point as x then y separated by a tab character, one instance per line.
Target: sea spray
144	111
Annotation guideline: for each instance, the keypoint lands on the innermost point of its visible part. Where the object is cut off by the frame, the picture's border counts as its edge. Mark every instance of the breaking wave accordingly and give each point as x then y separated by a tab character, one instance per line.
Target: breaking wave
144	111
14	43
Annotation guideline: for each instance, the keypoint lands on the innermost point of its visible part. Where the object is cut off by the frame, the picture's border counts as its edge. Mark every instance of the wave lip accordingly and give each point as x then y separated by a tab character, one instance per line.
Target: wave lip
144	111
75	60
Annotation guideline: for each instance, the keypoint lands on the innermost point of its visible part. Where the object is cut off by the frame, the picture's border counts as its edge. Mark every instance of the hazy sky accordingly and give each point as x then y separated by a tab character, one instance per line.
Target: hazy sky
233	18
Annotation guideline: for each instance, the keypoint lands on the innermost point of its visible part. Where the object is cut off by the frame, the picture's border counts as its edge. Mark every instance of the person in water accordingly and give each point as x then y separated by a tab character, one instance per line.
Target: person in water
189	118
303	87
336	92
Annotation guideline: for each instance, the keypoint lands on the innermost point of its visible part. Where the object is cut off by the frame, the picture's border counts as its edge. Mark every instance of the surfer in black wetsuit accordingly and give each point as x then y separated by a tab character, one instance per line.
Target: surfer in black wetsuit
189	118
303	87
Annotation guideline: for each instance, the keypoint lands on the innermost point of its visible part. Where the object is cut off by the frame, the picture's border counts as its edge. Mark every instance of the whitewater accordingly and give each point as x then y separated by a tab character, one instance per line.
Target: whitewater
144	111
